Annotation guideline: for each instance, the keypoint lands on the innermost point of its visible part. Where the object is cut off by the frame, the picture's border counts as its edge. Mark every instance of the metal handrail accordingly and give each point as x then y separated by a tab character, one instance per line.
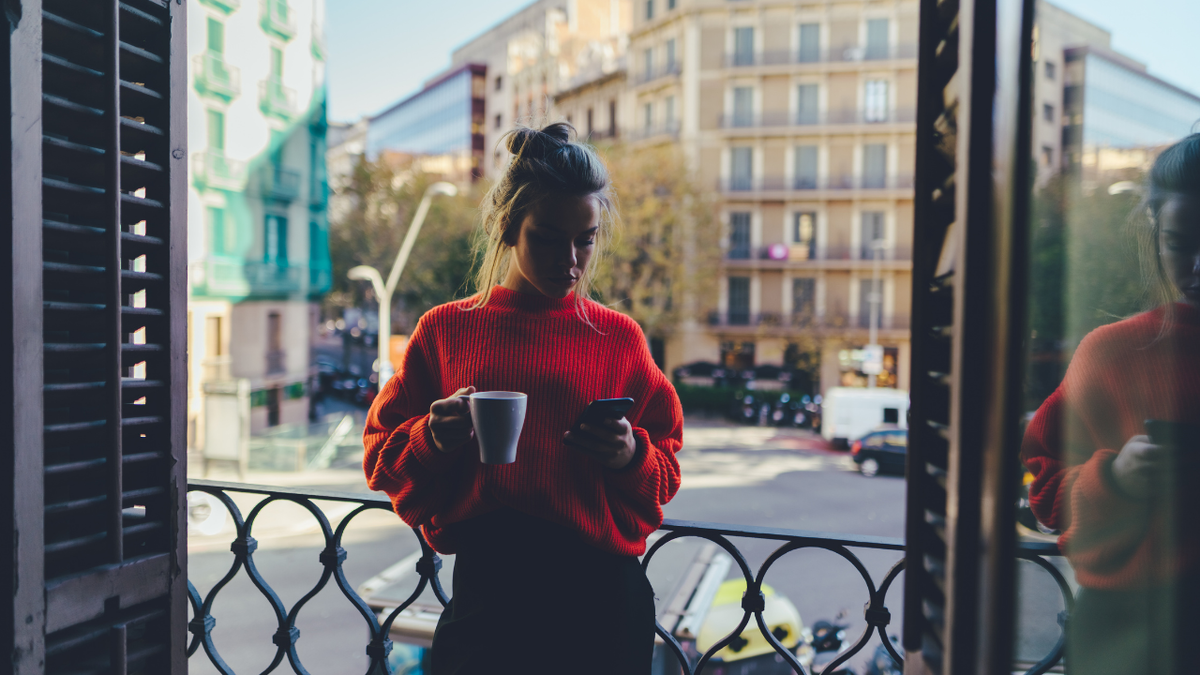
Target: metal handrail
877	615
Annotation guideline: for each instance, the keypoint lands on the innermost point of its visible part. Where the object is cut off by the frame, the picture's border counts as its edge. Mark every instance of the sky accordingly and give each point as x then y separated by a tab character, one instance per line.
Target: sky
383	50
1159	33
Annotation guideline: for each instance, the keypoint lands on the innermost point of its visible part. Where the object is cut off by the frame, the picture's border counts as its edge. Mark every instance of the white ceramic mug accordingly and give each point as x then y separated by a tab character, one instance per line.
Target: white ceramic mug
498	417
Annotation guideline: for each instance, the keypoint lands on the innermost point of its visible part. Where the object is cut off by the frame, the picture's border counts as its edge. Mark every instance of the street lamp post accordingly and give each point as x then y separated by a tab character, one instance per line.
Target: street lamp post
384	290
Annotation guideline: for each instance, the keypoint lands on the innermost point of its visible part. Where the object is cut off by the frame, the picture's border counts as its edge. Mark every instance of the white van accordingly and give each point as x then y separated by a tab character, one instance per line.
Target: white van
848	413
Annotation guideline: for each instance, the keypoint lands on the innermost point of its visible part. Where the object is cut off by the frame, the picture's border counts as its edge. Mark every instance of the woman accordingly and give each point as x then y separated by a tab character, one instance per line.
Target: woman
1128	503
546	577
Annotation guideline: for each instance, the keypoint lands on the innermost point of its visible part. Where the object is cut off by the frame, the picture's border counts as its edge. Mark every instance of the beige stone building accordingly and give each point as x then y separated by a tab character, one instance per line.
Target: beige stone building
800	116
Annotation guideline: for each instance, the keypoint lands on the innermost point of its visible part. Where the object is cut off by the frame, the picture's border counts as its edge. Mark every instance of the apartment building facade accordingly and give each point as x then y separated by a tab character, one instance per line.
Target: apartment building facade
258	192
801	117
544	49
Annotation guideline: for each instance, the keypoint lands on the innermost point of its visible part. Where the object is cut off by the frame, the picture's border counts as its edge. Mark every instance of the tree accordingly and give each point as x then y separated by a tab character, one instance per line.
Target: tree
378	203
660	262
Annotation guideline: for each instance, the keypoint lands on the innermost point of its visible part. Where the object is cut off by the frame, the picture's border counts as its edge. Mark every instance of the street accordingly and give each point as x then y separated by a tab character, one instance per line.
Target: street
732	475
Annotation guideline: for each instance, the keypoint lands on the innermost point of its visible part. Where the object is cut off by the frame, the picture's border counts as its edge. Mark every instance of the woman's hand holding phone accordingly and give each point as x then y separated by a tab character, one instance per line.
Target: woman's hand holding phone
450	421
610	442
1137	467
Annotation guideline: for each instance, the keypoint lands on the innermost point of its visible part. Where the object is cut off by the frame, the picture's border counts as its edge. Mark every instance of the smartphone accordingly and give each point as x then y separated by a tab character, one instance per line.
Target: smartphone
603	409
1172	433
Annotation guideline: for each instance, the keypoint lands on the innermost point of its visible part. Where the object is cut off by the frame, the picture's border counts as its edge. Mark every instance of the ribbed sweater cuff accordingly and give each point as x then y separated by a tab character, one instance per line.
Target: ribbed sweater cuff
637	477
420	443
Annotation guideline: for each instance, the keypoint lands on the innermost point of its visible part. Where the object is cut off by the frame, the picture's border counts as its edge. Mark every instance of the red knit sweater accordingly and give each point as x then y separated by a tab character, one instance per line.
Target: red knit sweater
1119	377
539	346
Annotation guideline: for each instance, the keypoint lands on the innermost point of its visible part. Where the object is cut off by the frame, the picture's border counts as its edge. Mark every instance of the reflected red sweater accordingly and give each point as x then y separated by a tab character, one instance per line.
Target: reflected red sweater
539	346
1120	376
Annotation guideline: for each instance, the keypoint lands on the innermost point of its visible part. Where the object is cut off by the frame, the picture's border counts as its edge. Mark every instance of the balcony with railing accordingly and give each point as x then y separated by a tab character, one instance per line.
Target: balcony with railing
279	183
276	18
782	323
214	77
688	588
663	132
213	170
237	278
782	255
227	6
844	55
645	76
781	186
276	100
837	117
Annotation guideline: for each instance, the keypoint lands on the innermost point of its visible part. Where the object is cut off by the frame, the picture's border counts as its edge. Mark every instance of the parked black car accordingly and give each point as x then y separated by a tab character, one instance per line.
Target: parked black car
881	452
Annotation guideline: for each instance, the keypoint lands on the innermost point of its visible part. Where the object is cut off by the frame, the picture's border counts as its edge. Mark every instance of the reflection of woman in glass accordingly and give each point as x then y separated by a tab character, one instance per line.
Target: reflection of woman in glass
1128	503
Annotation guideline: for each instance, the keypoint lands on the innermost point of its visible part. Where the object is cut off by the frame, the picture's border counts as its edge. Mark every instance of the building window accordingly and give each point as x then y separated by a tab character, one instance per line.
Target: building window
743	46
743	106
739	235
216	36
218	236
804	298
649	9
316	242
810	42
1047	156
648	63
875	101
1051	70
275	231
874	165
589	121
275	362
741	171
806	167
739	301
499	82
870	301
648	117
276	65
670	5
877	39
212	337
216	130
872	234
808	104
1047	112
804	236
671	55
738	356
612	118
669	111
498	121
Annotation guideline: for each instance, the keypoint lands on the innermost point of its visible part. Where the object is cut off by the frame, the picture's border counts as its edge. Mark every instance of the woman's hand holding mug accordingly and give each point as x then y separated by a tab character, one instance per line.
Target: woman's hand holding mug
450	421
611	443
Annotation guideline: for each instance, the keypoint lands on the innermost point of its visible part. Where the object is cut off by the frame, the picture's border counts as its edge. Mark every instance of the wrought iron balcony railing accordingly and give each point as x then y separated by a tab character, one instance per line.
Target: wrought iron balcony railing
776	119
380	626
800	253
799	321
656	73
846	54
280	184
215	77
753	184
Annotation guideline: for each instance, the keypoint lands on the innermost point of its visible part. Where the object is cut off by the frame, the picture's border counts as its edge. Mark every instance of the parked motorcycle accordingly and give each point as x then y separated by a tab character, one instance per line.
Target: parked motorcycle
826	641
882	663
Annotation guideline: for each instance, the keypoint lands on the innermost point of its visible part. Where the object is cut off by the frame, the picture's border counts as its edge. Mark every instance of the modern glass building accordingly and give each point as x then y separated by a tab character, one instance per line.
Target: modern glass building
442	124
1114	108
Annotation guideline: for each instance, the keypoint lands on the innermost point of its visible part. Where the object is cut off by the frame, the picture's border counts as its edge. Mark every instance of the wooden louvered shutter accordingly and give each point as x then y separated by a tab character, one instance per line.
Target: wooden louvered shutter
969	233
112	454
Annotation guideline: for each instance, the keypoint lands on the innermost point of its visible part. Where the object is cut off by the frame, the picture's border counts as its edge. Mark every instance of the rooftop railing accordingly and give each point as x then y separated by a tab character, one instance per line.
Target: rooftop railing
379	626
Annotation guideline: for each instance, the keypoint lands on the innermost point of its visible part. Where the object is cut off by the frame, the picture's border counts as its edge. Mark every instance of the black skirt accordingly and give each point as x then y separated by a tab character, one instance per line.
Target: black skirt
531	597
